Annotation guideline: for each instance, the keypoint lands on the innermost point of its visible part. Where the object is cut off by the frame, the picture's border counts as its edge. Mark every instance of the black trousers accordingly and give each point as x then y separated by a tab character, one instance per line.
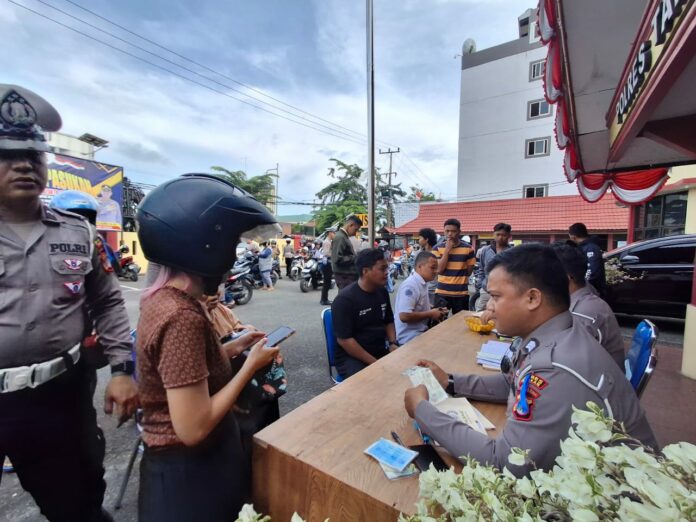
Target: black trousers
327	272
208	482
456	304
51	435
343	280
288	265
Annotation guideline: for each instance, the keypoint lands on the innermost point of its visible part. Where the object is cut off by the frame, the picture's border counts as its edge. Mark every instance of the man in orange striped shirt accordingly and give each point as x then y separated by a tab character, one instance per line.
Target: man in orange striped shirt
456	261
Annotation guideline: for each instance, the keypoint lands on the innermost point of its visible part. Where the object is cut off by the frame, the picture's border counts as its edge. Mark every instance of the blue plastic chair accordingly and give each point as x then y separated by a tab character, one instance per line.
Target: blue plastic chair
331	344
641	359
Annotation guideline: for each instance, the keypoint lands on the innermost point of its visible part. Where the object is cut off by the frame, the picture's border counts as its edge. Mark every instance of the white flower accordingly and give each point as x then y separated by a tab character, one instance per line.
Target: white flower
525	487
579	453
297	518
629	510
248	514
518	457
583	515
682	454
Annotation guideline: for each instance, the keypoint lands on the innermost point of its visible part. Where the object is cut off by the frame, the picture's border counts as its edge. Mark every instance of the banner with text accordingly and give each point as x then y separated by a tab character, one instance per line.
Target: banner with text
104	182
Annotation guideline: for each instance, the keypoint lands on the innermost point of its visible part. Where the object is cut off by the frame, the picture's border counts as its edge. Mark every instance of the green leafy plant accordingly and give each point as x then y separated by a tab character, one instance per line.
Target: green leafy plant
615	274
601	474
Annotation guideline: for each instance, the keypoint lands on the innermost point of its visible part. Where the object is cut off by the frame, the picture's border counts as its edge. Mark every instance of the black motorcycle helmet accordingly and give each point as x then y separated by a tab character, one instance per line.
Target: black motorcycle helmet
194	223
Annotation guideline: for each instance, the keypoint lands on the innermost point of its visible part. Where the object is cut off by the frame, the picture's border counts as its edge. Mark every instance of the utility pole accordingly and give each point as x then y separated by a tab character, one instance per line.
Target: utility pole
370	122
277	176
390	213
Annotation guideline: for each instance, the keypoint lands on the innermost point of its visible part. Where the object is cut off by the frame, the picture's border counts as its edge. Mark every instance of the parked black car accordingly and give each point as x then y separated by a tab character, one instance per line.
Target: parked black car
663	271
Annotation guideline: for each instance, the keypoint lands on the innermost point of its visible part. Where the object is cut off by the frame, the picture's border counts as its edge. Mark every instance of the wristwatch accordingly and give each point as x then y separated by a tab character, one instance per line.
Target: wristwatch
124	368
450	384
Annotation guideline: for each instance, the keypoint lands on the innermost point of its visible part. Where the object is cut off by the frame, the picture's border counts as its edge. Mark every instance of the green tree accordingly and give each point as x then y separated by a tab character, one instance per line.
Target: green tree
262	187
424	195
347	194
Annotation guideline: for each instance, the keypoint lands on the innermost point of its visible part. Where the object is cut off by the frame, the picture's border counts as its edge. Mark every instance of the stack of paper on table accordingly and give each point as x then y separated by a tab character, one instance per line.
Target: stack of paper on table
461	409
491	354
420	375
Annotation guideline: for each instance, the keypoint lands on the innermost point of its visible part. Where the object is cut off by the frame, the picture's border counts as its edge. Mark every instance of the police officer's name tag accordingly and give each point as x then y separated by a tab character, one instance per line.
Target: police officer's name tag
420	375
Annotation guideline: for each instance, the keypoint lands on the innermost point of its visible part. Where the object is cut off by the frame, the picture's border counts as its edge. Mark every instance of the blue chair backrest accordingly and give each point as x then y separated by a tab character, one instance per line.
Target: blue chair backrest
331	343
638	356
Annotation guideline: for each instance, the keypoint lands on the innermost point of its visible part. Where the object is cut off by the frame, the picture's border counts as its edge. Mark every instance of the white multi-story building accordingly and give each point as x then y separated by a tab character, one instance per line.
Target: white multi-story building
507	147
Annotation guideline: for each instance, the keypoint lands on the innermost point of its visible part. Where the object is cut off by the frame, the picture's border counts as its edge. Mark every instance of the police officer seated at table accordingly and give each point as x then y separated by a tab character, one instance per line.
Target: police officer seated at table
362	316
555	364
413	311
589	309
51	267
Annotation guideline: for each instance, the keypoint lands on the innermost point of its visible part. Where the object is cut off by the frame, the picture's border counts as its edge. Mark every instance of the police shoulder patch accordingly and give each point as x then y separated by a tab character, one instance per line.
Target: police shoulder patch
408	292
538	382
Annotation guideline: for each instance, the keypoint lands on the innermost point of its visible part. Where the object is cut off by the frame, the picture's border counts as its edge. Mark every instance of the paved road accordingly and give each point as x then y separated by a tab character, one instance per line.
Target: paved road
305	359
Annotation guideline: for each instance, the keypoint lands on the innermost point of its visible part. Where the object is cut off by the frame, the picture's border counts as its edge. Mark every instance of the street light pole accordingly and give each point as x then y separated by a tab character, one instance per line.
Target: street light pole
370	124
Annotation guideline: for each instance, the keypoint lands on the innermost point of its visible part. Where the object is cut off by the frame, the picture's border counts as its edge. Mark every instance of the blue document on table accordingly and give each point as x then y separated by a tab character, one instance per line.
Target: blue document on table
391	454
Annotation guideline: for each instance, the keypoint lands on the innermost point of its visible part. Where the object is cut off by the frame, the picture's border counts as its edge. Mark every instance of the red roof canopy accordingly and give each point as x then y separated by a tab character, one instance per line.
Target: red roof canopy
525	215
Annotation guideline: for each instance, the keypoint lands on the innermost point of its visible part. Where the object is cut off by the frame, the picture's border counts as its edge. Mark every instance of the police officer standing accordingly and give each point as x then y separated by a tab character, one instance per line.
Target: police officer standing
51	266
555	365
589	309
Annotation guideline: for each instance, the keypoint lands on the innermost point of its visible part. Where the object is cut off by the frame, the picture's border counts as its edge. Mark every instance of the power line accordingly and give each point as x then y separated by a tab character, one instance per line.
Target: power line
203	66
344	137
334	132
116	37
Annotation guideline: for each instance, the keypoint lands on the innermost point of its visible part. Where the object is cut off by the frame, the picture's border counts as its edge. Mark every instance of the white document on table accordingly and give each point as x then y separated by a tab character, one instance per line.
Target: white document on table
461	409
420	375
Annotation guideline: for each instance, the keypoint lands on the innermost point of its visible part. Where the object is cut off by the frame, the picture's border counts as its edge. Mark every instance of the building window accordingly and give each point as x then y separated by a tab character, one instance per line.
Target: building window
661	216
537	147
536	70
535	191
538	109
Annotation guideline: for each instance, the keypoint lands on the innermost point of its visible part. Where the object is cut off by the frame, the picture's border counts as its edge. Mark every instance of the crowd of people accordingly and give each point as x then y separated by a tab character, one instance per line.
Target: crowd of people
200	369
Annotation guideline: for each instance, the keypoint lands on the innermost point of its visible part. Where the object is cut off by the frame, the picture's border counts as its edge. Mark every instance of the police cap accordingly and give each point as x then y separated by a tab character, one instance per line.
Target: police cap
24	116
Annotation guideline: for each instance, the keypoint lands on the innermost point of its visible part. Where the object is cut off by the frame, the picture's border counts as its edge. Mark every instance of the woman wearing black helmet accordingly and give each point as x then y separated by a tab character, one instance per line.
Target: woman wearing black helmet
193	467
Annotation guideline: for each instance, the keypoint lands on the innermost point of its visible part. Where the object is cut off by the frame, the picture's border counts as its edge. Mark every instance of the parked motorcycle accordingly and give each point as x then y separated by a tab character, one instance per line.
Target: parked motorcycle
238	287
250	262
127	268
313	277
296	267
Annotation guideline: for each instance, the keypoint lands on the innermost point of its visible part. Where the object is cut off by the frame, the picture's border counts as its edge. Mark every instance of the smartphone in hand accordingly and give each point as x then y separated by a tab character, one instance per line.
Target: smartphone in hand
279	335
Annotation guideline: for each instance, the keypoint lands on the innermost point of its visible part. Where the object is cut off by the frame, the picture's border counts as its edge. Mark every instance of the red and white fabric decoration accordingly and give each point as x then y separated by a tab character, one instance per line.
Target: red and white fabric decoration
631	187
553	79
562	128
628	187
546	14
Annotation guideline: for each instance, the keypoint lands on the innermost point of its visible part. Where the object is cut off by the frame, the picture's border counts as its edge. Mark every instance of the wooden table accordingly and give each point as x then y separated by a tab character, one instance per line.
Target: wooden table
312	461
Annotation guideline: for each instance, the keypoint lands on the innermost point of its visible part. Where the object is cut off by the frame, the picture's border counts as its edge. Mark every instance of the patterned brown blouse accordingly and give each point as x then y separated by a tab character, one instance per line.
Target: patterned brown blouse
176	346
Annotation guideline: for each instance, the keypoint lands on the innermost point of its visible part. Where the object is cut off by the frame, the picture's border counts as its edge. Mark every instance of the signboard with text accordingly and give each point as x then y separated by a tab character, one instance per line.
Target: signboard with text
104	182
665	18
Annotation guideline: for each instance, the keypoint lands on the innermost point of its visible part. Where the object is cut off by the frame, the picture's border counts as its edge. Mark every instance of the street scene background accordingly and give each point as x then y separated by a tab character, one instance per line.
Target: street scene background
305	361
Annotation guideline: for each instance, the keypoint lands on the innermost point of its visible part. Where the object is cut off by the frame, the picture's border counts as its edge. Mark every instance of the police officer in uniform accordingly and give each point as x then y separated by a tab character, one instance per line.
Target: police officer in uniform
555	365
51	267
589	309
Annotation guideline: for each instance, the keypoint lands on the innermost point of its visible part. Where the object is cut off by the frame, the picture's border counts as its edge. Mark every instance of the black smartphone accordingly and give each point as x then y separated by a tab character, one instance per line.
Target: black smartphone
427	455
278	335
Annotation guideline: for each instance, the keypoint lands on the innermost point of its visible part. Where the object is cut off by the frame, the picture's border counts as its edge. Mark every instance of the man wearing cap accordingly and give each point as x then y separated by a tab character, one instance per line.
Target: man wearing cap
52	266
326	270
555	365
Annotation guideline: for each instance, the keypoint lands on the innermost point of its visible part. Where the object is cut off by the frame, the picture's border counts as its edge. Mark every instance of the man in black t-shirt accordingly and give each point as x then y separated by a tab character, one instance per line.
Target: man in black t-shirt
362	315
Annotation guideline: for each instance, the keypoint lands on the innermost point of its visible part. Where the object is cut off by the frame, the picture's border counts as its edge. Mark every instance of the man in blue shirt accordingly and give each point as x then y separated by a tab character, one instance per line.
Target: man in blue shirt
412	309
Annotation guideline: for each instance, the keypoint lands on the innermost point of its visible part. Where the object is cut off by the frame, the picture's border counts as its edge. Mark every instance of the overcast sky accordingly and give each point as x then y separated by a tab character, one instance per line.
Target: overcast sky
309	54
